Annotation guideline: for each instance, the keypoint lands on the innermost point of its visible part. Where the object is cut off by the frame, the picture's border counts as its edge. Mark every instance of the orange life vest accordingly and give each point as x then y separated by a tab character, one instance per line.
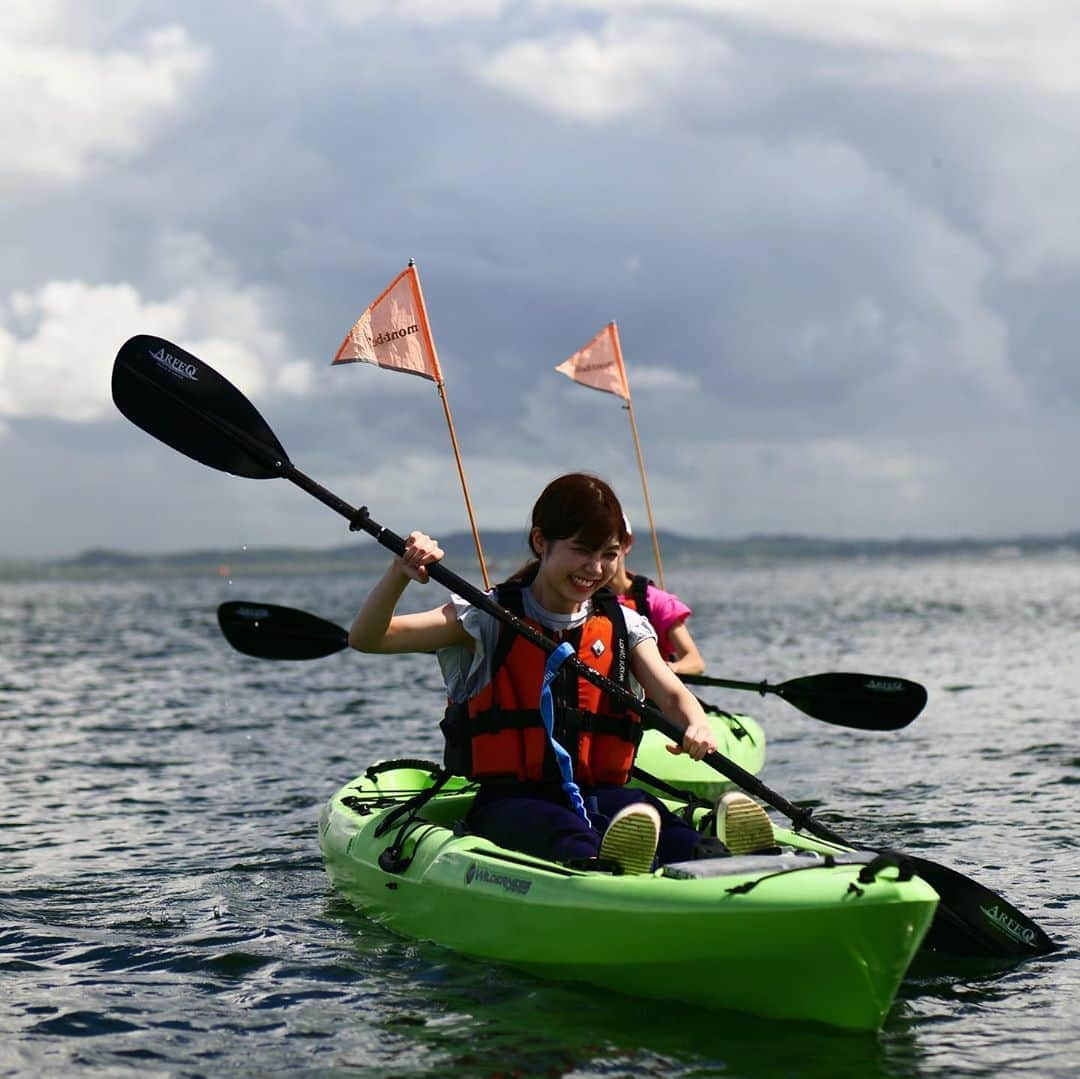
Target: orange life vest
499	734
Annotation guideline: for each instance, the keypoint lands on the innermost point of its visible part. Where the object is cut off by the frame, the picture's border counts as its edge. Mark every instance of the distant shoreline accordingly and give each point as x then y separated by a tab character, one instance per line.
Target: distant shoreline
505	551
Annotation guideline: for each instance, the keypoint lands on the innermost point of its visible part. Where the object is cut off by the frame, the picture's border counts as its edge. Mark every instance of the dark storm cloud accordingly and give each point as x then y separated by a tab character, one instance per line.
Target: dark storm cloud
840	272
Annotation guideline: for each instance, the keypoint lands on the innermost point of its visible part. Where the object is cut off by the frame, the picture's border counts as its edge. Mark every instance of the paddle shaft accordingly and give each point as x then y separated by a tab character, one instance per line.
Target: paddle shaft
727	683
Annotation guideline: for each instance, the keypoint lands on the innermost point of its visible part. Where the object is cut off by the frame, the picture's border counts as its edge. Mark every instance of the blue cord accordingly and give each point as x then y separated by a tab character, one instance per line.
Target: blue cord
547	713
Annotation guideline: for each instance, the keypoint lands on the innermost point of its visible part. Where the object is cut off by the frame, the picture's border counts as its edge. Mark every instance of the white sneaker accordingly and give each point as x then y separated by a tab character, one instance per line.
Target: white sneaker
631	838
743	825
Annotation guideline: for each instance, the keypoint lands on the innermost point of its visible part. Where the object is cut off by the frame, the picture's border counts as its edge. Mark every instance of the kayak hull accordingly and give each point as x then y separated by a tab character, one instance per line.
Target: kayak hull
797	939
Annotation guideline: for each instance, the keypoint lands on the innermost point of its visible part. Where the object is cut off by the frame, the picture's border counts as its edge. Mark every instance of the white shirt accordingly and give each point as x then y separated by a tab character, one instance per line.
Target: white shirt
466	671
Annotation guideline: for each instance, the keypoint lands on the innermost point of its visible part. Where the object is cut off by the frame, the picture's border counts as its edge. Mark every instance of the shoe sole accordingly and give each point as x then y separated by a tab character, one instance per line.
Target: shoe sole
630	842
747	827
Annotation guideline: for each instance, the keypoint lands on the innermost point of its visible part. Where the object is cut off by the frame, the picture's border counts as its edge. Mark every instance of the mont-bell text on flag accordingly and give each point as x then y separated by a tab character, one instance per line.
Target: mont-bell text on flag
394	333
599	364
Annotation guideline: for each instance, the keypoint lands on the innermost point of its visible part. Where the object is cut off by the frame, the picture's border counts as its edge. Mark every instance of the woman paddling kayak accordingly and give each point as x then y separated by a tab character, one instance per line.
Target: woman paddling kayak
665	611
550	751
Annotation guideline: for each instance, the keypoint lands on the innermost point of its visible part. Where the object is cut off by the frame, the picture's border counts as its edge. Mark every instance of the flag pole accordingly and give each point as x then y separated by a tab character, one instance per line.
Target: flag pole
426	330
629	406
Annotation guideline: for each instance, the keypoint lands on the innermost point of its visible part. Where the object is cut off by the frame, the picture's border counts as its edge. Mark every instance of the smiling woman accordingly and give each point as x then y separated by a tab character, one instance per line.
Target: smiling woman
551	751
577	533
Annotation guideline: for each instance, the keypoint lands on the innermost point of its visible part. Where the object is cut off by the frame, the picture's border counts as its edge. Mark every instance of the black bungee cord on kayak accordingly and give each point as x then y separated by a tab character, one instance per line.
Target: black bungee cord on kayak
392	859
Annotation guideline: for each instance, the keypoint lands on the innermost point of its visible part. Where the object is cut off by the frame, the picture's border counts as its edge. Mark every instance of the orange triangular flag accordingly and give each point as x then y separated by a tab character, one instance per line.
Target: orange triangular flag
393	332
599	364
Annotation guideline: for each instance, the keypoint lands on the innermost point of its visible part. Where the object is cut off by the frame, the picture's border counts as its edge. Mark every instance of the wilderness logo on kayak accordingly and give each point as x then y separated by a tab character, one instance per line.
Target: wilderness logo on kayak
1009	925
181	368
476	875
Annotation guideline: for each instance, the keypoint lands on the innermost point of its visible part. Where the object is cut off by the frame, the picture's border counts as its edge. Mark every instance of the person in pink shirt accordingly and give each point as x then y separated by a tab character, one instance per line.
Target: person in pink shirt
666	612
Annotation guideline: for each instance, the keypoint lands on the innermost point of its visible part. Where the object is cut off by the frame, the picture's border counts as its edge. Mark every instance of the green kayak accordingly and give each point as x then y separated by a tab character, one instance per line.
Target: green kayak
814	933
739	738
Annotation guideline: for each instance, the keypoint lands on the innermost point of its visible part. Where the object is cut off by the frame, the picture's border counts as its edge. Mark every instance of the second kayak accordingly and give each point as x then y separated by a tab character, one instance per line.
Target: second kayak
739	738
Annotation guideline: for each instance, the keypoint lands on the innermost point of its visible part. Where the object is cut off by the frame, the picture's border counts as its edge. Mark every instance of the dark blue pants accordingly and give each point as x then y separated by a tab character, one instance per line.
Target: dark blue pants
535	818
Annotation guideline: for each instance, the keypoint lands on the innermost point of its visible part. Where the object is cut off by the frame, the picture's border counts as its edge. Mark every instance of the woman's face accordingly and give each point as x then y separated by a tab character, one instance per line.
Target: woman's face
570	572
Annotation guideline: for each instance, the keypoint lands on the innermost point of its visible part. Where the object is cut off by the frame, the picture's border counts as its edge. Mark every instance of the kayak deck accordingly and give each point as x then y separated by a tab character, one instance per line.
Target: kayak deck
796	936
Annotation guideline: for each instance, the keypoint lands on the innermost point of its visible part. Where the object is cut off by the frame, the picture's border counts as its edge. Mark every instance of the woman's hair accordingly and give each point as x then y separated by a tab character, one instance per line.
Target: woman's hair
576	504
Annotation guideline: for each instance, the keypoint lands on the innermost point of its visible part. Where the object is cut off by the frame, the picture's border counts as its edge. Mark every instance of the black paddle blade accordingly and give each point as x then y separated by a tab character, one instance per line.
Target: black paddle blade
267	631
178	399
867	702
972	920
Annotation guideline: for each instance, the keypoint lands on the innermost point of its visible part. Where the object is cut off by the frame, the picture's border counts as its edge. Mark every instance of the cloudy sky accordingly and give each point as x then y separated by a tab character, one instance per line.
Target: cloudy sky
841	242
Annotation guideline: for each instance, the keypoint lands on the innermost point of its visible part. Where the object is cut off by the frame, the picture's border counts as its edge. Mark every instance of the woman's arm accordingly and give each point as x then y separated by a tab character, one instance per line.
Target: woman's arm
377	629
687	657
673	699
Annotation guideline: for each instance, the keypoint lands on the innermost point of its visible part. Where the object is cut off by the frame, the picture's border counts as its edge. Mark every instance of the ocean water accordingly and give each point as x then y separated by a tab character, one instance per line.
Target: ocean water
164	911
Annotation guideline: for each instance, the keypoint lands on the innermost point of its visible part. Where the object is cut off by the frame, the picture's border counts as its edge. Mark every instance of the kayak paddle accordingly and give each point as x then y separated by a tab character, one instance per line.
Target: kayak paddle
267	631
868	702
186	404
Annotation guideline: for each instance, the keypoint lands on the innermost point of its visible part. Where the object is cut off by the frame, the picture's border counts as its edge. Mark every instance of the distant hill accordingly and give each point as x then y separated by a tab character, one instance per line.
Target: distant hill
504	551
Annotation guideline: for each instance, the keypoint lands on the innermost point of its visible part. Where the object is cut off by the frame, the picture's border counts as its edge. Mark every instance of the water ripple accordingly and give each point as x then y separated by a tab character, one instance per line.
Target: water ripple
163	909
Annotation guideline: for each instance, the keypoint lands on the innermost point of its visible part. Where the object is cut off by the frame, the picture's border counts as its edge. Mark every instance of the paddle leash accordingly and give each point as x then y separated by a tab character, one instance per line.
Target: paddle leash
547	713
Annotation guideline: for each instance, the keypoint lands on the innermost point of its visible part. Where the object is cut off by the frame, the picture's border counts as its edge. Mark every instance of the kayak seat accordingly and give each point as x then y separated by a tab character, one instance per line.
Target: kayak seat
703	868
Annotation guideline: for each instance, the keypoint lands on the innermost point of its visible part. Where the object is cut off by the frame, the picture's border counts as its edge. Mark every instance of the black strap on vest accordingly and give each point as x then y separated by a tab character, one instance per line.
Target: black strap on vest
639	592
508	595
572	720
